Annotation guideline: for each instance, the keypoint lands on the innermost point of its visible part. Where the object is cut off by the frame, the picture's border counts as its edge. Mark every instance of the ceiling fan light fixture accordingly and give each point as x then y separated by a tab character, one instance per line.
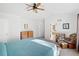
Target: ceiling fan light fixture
35	7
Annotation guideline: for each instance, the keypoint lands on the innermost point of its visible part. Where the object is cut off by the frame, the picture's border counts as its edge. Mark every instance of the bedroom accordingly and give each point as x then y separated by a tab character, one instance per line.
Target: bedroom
14	18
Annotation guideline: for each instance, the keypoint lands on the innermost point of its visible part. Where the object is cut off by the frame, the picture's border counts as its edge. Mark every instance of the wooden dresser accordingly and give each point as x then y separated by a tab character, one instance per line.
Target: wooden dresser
26	34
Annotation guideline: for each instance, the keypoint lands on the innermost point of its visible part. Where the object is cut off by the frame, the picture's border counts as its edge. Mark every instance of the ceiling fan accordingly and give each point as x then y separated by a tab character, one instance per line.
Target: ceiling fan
35	7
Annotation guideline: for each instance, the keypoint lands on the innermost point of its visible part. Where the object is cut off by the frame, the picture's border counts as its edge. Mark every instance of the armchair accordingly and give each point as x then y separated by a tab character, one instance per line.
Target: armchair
71	40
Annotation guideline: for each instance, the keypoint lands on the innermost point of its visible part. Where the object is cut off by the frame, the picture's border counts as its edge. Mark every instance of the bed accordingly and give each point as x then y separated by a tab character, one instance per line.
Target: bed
34	47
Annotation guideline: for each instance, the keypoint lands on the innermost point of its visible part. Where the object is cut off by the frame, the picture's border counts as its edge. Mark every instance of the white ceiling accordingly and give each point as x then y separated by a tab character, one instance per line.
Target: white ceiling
54	8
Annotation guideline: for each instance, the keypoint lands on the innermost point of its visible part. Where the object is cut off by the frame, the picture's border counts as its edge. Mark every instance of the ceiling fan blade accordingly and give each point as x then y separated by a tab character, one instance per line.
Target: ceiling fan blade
29	9
28	5
38	4
40	8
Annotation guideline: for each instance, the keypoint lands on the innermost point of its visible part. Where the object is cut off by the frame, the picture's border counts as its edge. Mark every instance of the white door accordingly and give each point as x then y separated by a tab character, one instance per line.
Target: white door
3	30
14	29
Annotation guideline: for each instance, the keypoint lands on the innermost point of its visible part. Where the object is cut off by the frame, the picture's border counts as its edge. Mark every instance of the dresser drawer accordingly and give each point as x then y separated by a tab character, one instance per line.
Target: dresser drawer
26	34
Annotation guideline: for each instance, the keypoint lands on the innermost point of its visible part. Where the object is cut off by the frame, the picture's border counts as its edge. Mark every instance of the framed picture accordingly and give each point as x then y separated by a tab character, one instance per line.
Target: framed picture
25	26
66	26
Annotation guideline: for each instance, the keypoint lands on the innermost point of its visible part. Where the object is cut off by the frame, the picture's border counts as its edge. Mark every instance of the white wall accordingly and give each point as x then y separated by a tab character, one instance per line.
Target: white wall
34	24
65	18
66	12
11	26
15	16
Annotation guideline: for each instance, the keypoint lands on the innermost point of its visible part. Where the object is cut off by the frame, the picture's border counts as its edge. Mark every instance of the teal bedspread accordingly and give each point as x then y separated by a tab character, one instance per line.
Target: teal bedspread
25	48
3	51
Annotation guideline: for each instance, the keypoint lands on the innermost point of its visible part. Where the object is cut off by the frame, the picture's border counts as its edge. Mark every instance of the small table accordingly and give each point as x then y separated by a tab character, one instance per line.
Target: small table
64	45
